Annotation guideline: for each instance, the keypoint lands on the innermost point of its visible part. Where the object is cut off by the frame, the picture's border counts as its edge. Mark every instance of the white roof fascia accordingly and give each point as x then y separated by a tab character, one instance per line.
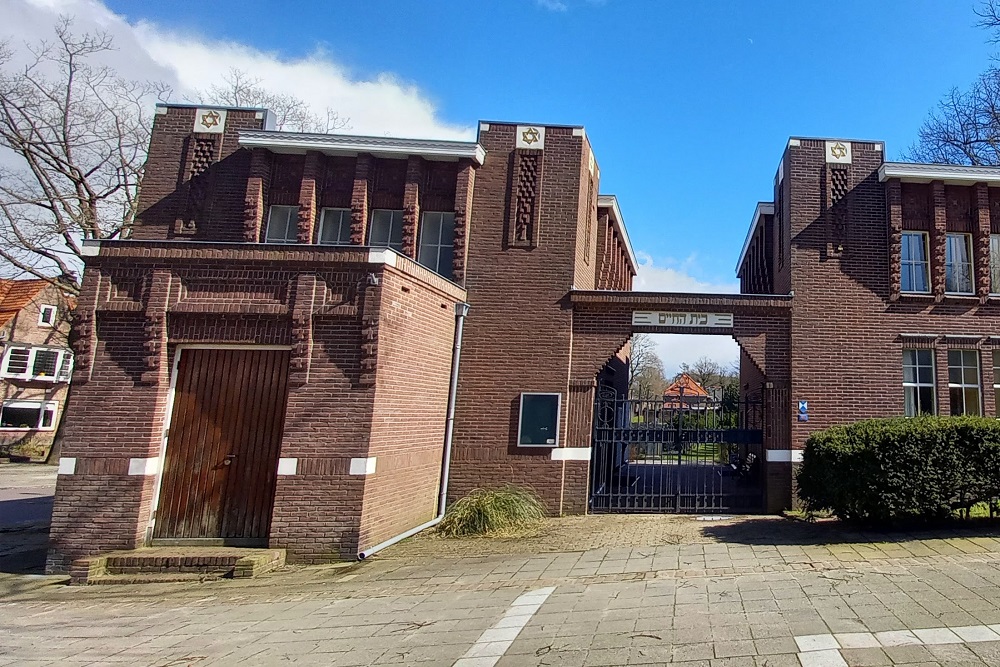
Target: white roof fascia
925	173
611	202
344	144
763	208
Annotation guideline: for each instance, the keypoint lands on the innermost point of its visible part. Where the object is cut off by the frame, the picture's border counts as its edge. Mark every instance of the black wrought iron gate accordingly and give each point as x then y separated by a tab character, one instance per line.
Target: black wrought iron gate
681	454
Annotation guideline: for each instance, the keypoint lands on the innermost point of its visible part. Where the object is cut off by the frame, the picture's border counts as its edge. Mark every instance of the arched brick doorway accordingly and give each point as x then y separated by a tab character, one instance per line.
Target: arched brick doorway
603	323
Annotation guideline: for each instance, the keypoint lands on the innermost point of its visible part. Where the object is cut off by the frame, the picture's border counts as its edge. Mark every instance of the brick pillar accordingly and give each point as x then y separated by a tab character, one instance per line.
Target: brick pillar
307	198
894	202
579	426
255	203
359	199
938	239
302	329
83	335
463	214
155	345
411	205
981	242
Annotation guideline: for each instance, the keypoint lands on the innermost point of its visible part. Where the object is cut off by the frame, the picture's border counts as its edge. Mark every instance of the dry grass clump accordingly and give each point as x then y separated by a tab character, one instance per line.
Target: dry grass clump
505	512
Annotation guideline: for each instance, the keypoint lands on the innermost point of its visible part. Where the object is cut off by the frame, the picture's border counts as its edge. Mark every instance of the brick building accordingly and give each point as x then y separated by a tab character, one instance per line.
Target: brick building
35	365
895	271
309	337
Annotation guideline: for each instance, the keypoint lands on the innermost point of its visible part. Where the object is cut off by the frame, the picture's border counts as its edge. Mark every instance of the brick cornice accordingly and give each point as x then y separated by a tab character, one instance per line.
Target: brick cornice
683	301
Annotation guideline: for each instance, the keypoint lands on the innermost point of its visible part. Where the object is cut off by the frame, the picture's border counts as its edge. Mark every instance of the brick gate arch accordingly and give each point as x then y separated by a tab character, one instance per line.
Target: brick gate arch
603	323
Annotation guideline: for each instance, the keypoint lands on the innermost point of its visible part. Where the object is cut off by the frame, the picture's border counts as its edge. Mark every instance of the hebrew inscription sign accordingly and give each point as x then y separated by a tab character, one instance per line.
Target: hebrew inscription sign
670	319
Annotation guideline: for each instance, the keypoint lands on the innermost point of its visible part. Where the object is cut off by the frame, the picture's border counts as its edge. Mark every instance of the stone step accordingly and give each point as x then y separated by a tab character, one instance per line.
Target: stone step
152	578
175	564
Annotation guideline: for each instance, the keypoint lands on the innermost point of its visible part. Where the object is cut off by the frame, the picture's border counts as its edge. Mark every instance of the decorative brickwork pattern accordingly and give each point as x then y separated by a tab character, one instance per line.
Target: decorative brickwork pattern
307	198
411	205
466	182
360	199
894	203
938	239
524	216
981	241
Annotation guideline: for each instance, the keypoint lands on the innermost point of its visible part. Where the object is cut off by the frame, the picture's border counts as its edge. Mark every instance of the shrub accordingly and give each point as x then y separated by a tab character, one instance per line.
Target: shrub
493	513
920	468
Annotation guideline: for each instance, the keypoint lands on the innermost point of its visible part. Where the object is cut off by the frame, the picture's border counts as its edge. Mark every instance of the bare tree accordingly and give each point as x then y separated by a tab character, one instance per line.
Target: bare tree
646	378
73	138
292	114
709	373
964	127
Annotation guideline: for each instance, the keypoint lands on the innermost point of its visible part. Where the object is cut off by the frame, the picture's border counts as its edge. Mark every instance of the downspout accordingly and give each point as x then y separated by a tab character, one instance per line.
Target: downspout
461	310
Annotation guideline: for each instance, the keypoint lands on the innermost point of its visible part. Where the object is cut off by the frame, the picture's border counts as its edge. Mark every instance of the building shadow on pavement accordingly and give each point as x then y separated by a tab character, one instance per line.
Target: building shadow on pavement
798	532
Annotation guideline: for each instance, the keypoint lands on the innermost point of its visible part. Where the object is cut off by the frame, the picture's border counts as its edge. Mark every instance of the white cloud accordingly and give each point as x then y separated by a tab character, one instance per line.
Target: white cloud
675	349
553	5
381	104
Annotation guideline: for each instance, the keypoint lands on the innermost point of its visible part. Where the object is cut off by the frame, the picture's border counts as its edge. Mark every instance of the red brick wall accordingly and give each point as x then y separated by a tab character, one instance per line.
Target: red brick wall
211	207
321	301
846	327
518	332
416	333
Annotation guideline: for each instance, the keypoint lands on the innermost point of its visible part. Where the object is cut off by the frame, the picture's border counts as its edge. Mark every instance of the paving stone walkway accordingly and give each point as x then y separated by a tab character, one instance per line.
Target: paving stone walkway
724	598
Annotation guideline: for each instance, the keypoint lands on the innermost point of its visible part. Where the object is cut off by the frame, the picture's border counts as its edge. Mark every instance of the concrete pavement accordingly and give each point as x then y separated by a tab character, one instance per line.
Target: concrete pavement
725	597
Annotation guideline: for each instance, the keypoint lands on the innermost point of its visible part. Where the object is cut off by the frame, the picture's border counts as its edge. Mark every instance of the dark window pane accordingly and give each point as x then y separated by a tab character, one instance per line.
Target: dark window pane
972	401
12	417
539	419
957	400
926	400
46	363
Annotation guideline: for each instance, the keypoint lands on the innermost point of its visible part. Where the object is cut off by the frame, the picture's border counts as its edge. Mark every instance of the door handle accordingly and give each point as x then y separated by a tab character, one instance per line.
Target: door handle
229	459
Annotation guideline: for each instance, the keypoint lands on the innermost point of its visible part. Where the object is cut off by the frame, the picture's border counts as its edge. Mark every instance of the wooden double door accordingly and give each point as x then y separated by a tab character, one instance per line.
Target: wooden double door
222	445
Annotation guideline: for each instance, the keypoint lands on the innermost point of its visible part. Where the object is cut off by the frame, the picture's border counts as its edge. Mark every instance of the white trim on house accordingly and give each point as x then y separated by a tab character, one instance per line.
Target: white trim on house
925	173
611	202
63	365
763	208
351	145
27	404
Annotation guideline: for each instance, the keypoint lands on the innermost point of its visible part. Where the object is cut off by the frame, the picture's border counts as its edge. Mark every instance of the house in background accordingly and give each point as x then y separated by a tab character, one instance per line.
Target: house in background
685	391
35	367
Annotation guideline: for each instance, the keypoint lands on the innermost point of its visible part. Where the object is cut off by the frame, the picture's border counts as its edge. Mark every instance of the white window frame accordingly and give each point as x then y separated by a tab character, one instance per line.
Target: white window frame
968	252
345	219
520	416
912	265
64	364
437	245
293	213
918	385
48	308
396	214
42	406
978	386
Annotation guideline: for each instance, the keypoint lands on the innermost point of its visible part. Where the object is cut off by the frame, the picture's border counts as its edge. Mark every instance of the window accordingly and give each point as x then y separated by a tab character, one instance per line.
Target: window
335	226
386	229
282	225
915	267
995	264
957	264
538	425
437	242
918	382
963	382
47	316
28	415
37	363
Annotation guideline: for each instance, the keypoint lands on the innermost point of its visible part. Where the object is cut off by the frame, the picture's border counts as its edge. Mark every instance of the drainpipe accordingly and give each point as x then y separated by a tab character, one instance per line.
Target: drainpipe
461	310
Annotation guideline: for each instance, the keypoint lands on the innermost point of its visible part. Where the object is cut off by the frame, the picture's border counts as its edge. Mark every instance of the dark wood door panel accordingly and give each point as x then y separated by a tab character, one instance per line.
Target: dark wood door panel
223	444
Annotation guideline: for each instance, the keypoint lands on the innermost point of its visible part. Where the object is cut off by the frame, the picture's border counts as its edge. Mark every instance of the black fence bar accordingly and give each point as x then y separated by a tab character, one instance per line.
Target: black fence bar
686	454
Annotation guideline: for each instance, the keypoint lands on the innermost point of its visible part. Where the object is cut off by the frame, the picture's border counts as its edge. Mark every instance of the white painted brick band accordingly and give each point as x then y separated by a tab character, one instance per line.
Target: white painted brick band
784	456
67	466
288	466
148	466
571	454
363	466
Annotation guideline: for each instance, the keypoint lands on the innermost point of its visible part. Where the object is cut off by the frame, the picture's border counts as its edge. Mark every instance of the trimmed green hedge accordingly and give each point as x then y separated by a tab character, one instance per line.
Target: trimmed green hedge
919	468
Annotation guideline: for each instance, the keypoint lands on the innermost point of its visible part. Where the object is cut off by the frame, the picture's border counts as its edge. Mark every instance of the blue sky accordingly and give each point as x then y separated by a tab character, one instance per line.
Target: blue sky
688	105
